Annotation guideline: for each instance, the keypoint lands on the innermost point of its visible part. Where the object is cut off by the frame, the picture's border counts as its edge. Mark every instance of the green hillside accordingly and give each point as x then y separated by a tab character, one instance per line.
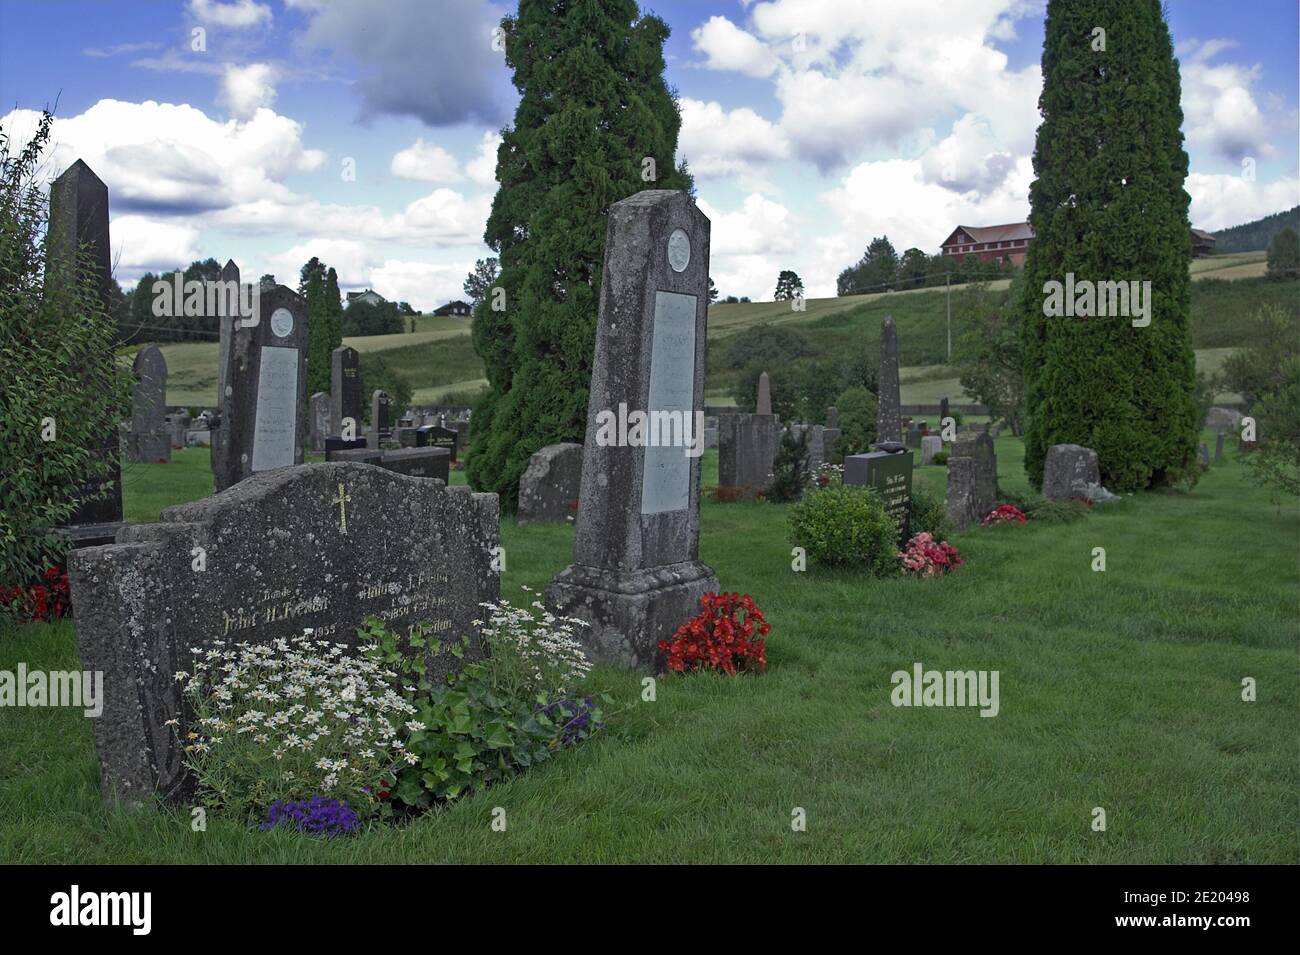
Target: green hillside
438	359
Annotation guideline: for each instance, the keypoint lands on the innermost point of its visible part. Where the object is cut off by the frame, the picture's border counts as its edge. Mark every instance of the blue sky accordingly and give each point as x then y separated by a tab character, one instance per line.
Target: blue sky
363	131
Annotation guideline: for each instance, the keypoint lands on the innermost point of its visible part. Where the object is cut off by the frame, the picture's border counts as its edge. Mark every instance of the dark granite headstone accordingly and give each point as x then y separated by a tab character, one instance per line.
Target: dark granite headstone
320	546
361	455
972	479
1068	469
265	426
149	439
78	223
889	425
943	409
636	573
345	389
380	404
335	444
891	476
436	436
320	420
419	462
548	490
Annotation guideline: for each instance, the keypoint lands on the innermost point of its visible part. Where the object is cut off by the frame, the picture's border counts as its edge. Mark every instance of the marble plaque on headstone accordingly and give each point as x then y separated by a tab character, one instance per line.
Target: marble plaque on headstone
275	423
666	482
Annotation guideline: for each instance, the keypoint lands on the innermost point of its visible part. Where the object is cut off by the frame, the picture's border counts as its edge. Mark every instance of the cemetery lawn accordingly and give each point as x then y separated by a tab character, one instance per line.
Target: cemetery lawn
1119	690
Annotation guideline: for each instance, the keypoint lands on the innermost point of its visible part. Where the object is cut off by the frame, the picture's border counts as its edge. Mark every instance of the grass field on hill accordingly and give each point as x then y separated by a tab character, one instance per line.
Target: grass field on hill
438	358
1119	690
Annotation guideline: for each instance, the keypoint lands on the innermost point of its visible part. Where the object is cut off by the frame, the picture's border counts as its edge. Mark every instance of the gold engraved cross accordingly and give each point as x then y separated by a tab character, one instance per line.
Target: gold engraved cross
342	502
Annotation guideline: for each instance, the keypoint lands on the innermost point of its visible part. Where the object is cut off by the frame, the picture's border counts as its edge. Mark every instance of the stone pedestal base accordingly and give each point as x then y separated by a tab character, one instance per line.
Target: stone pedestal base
630	612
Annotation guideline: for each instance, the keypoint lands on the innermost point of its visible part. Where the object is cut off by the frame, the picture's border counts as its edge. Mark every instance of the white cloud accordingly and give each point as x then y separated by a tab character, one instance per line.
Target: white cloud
236	13
245	89
423	284
717	142
425	162
144	244
482	169
728	47
1222	201
1219	108
969	159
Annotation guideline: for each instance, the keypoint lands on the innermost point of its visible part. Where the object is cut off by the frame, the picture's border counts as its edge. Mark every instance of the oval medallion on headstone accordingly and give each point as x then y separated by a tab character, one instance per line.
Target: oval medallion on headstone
282	322
679	250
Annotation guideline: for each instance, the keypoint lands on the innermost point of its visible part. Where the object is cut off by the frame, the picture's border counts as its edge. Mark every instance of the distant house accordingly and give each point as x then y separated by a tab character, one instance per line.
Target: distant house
990	243
456	309
369	295
1202	243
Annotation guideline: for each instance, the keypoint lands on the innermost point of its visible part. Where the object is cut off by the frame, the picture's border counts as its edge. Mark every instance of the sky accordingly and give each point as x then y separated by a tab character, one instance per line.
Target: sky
364	131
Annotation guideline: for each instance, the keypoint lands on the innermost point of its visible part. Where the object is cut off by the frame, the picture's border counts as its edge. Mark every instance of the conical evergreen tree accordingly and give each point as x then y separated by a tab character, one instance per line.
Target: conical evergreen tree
1108	204
333	320
318	347
594	115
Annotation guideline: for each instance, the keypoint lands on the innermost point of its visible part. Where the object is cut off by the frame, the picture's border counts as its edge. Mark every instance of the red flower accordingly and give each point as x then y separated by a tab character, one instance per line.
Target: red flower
716	639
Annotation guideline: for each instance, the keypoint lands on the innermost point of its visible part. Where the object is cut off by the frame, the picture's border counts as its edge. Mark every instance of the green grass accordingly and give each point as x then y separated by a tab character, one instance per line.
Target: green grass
1118	689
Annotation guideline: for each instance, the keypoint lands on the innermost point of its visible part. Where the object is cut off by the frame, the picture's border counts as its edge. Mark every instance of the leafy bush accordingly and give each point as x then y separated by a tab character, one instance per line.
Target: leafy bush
495	717
846	526
790	469
719	639
928	513
376	374
940	459
1035	507
857	411
62	389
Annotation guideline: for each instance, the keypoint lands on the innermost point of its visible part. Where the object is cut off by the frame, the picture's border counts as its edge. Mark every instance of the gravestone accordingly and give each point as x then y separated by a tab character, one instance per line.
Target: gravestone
461	427
320	420
1068	469
1223	419
764	402
407	437
200	438
636	573
831	437
890	473
1203	456
362	455
380	404
334	444
548	489
972	479
319	546
265	423
943	410
78	221
931	445
178	425
218	422
345	389
912	439
149	439
436	436
816	438
711	437
746	452
418	462
889	424
1218	447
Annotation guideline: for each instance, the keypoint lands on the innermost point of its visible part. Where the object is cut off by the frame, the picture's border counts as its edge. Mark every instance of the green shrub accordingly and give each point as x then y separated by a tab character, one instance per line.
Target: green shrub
846	526
857	411
1035	507
928	514
940	459
790	469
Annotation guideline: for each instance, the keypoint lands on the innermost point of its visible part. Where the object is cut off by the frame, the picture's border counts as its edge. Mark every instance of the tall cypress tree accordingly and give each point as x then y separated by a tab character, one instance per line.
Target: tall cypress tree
318	347
593	109
1108	204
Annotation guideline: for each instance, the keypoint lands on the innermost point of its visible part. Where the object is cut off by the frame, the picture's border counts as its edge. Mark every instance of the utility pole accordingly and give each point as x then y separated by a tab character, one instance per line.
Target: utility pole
947	281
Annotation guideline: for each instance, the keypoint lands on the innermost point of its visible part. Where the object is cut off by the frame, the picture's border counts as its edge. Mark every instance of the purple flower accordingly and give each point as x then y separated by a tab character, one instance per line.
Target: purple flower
576	717
318	816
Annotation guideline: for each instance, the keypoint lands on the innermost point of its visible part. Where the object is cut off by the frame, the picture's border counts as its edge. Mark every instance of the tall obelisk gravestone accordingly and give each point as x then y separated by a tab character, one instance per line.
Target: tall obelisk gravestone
264	386
889	420
888	469
636	573
79	221
345	389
